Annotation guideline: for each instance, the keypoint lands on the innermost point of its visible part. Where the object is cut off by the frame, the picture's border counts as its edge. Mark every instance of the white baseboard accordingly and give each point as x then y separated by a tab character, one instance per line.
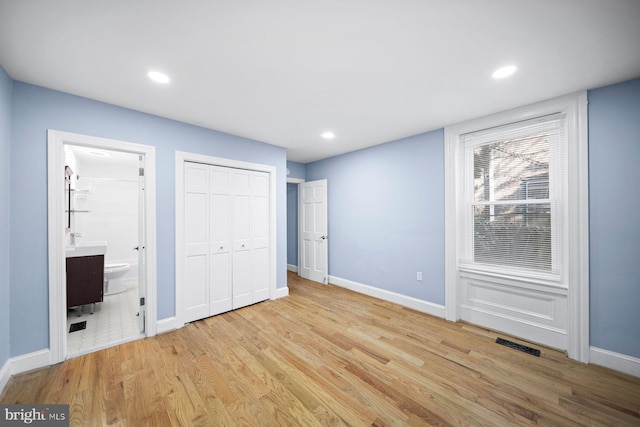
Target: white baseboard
612	360
5	375
292	267
282	292
427	307
29	361
23	363
166	325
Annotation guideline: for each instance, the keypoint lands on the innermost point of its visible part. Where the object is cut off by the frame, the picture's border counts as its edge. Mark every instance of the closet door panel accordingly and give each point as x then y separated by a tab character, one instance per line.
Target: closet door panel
241	190
241	218
242	295
260	275
260	236
196	289
221	296
260	212
241	223
221	293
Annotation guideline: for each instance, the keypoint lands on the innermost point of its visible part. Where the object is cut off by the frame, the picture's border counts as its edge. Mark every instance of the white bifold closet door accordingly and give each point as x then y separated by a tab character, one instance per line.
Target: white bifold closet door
196	230
226	239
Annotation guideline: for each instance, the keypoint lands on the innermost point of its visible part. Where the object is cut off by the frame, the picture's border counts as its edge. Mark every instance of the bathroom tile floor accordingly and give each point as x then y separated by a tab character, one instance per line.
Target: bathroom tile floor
113	320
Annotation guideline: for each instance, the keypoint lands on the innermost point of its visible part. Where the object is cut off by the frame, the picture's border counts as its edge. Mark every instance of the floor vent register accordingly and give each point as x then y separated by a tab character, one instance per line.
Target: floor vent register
78	326
519	347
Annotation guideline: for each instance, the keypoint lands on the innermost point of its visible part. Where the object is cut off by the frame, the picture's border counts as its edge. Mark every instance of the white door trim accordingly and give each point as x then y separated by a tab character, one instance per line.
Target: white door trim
56	233
578	230
180	159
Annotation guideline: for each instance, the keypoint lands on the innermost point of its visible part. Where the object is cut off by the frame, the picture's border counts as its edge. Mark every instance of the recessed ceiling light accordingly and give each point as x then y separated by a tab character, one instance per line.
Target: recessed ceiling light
328	135
98	153
503	72
158	77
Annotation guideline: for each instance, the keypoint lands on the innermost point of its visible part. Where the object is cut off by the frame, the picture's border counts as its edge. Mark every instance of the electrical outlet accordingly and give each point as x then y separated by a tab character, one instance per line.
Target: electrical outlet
419	276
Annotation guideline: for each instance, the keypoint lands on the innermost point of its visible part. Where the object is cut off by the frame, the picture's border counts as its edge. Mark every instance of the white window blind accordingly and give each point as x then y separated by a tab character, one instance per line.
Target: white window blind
513	191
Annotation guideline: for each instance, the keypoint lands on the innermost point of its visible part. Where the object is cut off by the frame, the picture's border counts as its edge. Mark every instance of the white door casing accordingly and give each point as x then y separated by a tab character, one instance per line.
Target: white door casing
56	232
142	248
314	243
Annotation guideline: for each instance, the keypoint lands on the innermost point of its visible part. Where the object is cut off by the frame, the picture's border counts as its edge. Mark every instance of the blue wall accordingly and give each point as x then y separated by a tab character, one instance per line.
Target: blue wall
614	208
296	170
6	86
34	110
386	215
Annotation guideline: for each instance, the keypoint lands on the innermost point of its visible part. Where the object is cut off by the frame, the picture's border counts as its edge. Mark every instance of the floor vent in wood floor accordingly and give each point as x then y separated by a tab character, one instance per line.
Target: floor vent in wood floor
78	326
519	347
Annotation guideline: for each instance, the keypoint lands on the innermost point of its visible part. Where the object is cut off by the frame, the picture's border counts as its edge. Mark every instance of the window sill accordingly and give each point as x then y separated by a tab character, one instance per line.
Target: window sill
551	282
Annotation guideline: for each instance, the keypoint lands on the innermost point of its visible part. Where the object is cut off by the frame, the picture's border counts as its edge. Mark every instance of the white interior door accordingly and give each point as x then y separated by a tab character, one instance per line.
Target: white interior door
196	235
142	248
313	231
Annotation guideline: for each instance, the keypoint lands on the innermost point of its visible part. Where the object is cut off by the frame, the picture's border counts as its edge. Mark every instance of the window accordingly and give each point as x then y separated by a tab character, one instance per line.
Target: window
517	223
513	183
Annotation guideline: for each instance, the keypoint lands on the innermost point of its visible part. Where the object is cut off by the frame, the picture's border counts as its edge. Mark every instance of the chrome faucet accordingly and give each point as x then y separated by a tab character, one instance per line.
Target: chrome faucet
73	238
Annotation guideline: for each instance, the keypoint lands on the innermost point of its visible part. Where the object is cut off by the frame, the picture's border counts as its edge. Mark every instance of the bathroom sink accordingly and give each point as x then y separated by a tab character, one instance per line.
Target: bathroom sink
86	249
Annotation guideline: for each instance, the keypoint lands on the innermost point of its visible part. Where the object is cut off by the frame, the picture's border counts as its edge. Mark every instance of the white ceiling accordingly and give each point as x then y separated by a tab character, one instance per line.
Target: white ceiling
285	71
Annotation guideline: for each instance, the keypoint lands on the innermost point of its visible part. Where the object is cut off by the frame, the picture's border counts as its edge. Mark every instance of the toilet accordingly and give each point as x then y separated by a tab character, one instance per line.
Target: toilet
114	278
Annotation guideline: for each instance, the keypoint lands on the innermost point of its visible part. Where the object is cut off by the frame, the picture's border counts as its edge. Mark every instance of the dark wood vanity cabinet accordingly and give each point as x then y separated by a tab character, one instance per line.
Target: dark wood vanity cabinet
85	278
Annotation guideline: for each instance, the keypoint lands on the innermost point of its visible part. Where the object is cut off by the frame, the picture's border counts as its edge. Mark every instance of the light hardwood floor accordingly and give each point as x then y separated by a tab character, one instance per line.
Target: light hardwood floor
328	356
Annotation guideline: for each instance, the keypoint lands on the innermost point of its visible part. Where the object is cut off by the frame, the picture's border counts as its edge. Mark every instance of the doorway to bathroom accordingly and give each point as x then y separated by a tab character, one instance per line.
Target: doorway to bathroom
107	206
103	200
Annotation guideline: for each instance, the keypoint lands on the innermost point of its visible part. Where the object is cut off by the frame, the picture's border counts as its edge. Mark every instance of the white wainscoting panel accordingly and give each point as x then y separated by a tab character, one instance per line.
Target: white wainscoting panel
520	309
